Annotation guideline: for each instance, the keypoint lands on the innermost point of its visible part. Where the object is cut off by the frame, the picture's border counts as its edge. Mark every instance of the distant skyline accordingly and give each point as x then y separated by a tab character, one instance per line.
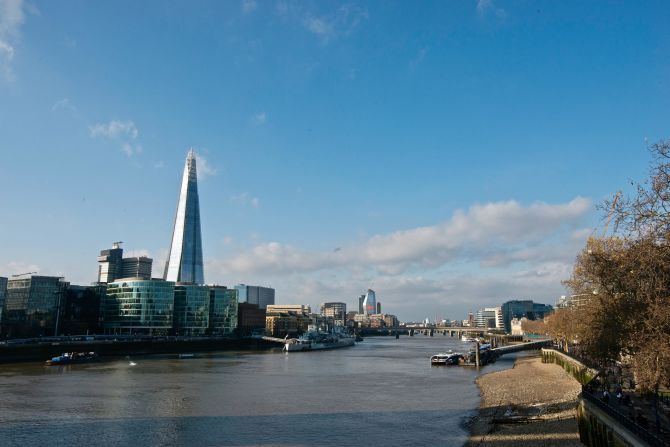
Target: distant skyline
449	155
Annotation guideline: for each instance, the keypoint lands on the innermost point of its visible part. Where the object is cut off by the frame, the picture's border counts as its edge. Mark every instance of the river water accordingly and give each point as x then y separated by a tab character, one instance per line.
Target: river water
381	392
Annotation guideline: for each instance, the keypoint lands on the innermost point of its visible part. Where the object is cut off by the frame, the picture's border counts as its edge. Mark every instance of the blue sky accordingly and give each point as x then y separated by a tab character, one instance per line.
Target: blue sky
448	154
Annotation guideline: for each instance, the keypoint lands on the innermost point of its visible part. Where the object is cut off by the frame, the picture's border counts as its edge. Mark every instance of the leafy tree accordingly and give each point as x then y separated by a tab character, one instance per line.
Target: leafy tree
628	275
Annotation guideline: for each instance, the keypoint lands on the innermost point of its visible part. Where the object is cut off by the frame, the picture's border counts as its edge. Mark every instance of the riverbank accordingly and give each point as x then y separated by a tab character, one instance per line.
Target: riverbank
531	403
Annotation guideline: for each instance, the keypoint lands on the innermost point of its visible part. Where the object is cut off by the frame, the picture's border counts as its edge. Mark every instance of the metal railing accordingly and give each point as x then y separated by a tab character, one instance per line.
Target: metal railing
630	424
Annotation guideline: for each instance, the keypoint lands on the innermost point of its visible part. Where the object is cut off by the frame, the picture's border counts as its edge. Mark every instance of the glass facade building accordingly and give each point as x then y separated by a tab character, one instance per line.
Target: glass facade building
191	309
523	308
32	306
261	296
139	306
370	303
222	310
184	262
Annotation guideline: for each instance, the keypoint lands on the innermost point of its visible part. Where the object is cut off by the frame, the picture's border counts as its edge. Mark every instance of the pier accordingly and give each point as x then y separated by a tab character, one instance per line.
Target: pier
490	355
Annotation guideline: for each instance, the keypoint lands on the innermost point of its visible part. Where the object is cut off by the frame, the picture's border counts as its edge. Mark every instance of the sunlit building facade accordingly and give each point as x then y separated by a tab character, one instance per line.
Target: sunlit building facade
191	309
139	306
32	305
184	262
261	296
222	310
370	303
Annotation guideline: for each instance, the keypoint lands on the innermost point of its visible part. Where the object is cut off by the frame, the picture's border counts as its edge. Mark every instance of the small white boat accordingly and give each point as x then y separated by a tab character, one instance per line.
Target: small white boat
446	358
468	338
186	356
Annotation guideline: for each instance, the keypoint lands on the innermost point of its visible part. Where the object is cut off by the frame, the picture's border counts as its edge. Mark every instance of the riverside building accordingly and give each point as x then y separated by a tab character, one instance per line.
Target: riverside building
335	310
191	309
32	306
523	308
260	296
222	310
139	306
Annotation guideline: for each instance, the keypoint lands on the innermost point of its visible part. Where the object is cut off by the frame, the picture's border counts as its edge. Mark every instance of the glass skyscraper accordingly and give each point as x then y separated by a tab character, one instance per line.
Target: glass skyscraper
370	303
184	262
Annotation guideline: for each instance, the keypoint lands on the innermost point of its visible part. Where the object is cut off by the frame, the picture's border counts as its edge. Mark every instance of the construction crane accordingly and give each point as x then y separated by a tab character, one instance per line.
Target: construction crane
609	215
23	274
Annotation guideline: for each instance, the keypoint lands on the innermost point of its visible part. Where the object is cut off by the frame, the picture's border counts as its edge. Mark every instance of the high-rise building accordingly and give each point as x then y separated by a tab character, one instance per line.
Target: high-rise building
139	306
110	263
261	296
33	305
361	308
370	303
337	311
113	266
489	317
222	310
139	267
184	262
191	309
379	307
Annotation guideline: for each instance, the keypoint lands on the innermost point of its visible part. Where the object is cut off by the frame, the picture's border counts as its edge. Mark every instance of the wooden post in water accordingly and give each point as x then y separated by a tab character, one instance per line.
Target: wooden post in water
477	355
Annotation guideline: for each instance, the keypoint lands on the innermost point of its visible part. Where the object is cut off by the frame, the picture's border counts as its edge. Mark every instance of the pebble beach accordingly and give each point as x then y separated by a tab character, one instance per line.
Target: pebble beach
533	403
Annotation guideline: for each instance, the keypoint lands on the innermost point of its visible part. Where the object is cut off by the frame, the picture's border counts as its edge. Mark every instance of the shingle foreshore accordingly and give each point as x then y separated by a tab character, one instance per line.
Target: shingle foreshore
533	403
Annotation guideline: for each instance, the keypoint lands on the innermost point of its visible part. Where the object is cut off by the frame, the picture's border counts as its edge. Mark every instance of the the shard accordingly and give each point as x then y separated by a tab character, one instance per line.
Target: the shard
184	262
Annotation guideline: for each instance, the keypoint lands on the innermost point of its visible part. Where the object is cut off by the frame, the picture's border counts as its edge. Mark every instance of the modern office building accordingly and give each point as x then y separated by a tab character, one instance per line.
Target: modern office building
379	307
32	306
112	265
222	310
361	308
81	309
289	308
139	306
523	308
489	317
261	296
370	303
139	267
184	262
335	310
250	318
191	309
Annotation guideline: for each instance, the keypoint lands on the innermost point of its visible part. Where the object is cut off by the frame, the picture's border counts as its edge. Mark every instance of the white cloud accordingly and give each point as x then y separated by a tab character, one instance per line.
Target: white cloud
245	199
341	22
12	17
204	168
115	129
420	55
493	235
18	267
249	6
123	131
259	118
486	7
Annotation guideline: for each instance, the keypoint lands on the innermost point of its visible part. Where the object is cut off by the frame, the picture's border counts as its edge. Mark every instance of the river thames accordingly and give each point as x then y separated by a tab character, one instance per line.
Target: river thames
383	391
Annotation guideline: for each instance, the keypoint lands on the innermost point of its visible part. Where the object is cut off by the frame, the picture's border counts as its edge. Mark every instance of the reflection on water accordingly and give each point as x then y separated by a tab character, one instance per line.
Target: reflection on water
381	391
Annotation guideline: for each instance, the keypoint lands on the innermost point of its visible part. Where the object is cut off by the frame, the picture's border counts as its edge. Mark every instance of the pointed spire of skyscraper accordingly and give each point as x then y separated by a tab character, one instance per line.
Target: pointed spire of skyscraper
184	263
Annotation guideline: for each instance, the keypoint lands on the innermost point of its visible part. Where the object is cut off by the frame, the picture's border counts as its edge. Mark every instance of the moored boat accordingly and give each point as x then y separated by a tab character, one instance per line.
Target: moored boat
313	340
446	358
69	358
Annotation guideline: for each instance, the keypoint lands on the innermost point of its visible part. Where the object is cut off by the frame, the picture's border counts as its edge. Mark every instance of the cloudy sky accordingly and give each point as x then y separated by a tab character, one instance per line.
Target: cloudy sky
448	154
